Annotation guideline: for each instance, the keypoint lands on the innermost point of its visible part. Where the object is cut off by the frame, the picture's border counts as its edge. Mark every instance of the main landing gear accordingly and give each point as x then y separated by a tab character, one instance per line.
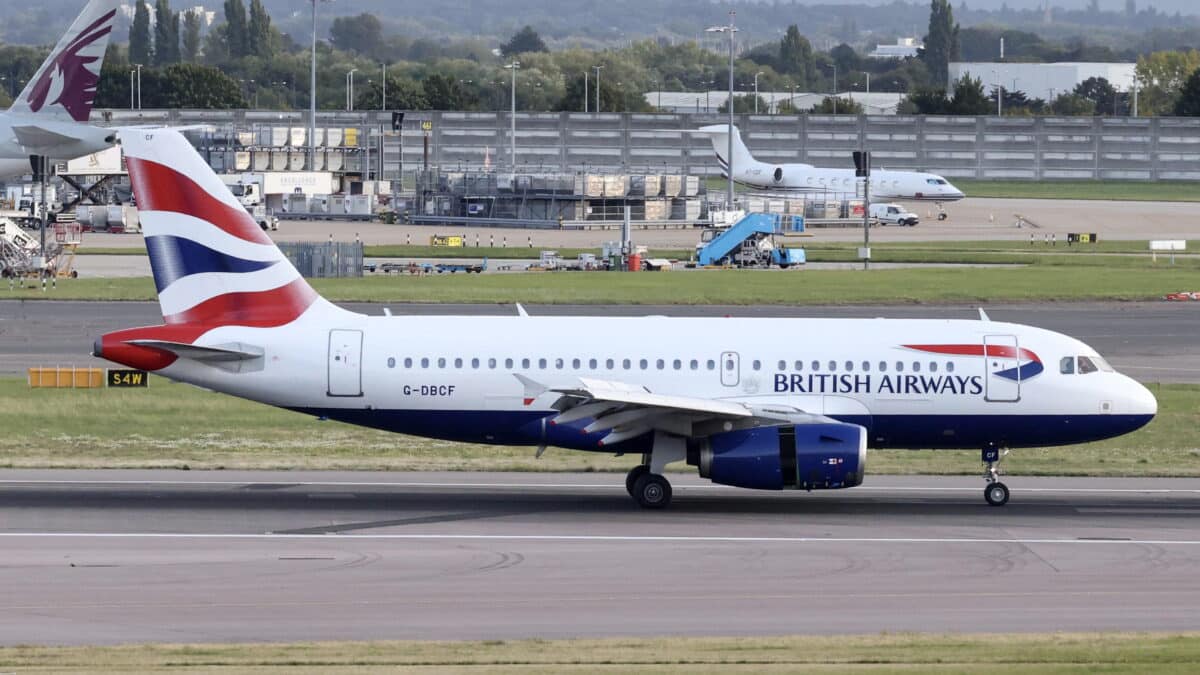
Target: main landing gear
645	482
996	493
650	490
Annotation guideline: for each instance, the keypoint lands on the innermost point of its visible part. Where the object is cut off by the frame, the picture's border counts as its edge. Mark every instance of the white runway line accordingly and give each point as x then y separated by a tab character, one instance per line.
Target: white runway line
615	485
596	538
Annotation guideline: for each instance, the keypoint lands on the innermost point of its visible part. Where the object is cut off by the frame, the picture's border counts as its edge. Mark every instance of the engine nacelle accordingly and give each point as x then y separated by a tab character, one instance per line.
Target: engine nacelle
794	457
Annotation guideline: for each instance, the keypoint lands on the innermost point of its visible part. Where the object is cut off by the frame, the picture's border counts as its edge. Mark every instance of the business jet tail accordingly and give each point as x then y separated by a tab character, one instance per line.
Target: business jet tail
65	86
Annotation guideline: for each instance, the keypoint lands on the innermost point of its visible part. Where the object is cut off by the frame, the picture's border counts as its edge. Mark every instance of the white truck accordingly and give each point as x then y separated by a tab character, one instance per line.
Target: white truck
248	188
892	214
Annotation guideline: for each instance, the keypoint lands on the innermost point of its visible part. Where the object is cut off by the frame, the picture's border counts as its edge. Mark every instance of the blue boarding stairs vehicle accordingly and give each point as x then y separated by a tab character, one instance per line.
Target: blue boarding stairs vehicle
752	242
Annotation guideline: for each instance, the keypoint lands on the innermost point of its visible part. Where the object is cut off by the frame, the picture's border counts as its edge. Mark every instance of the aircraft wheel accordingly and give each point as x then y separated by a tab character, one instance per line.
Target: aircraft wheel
943	215
996	494
634	474
652	491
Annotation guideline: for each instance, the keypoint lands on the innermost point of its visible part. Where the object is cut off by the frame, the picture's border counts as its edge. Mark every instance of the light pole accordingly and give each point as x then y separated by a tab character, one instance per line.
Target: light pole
756	91
139	86
383	97
312	92
585	90
730	29
512	117
835	88
350	89
131	71
597	69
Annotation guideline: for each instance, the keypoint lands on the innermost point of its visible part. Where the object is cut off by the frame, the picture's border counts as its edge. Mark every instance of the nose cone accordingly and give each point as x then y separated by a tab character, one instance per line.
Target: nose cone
1141	401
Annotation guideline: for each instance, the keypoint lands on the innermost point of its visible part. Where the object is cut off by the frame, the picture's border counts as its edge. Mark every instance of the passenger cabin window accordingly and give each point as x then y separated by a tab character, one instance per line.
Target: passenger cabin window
883	366
933	366
833	366
425	362
1066	366
625	364
695	365
816	365
491	363
782	365
609	363
756	364
441	362
799	365
593	364
458	363
677	364
508	363
916	366
949	366
474	363
849	366
391	362
660	364
643	364
710	364
575	364
542	364
525	363
866	365
408	362
899	366
558	364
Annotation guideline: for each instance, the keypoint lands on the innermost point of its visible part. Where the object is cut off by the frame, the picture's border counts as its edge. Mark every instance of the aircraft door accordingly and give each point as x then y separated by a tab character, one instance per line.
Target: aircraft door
345	363
730	369
1002	365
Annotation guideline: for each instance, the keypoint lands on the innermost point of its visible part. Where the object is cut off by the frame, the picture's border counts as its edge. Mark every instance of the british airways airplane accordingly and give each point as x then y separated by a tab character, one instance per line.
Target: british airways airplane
885	184
755	403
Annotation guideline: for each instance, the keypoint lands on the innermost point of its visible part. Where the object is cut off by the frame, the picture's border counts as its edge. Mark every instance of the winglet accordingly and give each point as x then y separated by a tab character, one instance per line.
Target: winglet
521	310
533	388
983	315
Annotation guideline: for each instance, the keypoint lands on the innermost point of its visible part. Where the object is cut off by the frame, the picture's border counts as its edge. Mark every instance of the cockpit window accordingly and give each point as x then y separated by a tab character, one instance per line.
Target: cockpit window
1101	363
936	181
1067	365
1086	366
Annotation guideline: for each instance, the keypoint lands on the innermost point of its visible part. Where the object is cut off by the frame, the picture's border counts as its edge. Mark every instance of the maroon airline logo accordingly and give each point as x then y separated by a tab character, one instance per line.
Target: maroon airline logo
69	75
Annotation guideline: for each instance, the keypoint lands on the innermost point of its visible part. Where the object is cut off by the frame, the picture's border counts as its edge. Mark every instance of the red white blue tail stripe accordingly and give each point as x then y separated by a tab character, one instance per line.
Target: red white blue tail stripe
212	263
1029	365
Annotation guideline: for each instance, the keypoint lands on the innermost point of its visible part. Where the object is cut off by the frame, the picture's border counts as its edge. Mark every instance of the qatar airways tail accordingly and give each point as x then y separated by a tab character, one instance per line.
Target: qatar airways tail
885	184
755	403
49	117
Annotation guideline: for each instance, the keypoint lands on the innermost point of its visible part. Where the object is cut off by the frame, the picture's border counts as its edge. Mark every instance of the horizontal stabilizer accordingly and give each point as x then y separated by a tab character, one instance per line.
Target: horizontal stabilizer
33	136
219	353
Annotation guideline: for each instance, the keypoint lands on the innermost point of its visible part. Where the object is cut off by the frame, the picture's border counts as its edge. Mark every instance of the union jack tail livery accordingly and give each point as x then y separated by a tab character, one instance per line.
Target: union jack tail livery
65	85
213	265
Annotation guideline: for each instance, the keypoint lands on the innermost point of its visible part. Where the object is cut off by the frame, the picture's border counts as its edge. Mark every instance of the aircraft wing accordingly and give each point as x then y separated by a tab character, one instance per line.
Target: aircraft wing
628	410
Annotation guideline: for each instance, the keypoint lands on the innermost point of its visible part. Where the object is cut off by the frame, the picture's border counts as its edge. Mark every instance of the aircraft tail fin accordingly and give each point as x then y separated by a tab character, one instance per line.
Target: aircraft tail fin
212	263
65	86
719	135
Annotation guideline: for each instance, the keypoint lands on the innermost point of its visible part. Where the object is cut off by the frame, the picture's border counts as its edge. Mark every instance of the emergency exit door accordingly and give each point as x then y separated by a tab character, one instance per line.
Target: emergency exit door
345	363
1002	356
730	369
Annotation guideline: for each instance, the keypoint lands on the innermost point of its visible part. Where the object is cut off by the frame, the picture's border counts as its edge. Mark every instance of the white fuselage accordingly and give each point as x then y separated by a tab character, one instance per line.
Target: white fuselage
884	184
454	377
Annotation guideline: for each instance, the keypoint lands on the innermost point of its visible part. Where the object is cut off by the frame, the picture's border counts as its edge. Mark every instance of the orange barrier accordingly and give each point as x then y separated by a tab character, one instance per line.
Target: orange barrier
66	378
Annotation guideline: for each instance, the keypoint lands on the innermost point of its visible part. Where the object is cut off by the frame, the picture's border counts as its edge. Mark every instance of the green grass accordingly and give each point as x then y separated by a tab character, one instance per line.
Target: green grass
1104	190
1159	191
1118	278
170	425
513	252
1040	654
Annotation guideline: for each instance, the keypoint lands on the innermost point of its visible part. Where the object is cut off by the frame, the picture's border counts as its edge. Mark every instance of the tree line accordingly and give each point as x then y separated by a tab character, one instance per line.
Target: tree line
243	60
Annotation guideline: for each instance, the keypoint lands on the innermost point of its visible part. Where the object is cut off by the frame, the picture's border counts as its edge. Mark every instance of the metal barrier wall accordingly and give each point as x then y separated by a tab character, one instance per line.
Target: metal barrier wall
1024	148
325	258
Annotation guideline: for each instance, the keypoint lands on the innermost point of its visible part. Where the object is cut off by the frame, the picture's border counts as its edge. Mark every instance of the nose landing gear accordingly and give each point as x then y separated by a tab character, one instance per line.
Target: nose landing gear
942	215
996	493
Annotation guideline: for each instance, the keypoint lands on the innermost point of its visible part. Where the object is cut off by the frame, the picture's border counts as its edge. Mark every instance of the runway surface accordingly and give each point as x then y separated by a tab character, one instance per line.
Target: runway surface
94	557
1150	341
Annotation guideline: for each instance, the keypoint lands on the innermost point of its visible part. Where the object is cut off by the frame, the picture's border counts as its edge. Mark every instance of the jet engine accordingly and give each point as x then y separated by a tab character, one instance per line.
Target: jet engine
825	456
